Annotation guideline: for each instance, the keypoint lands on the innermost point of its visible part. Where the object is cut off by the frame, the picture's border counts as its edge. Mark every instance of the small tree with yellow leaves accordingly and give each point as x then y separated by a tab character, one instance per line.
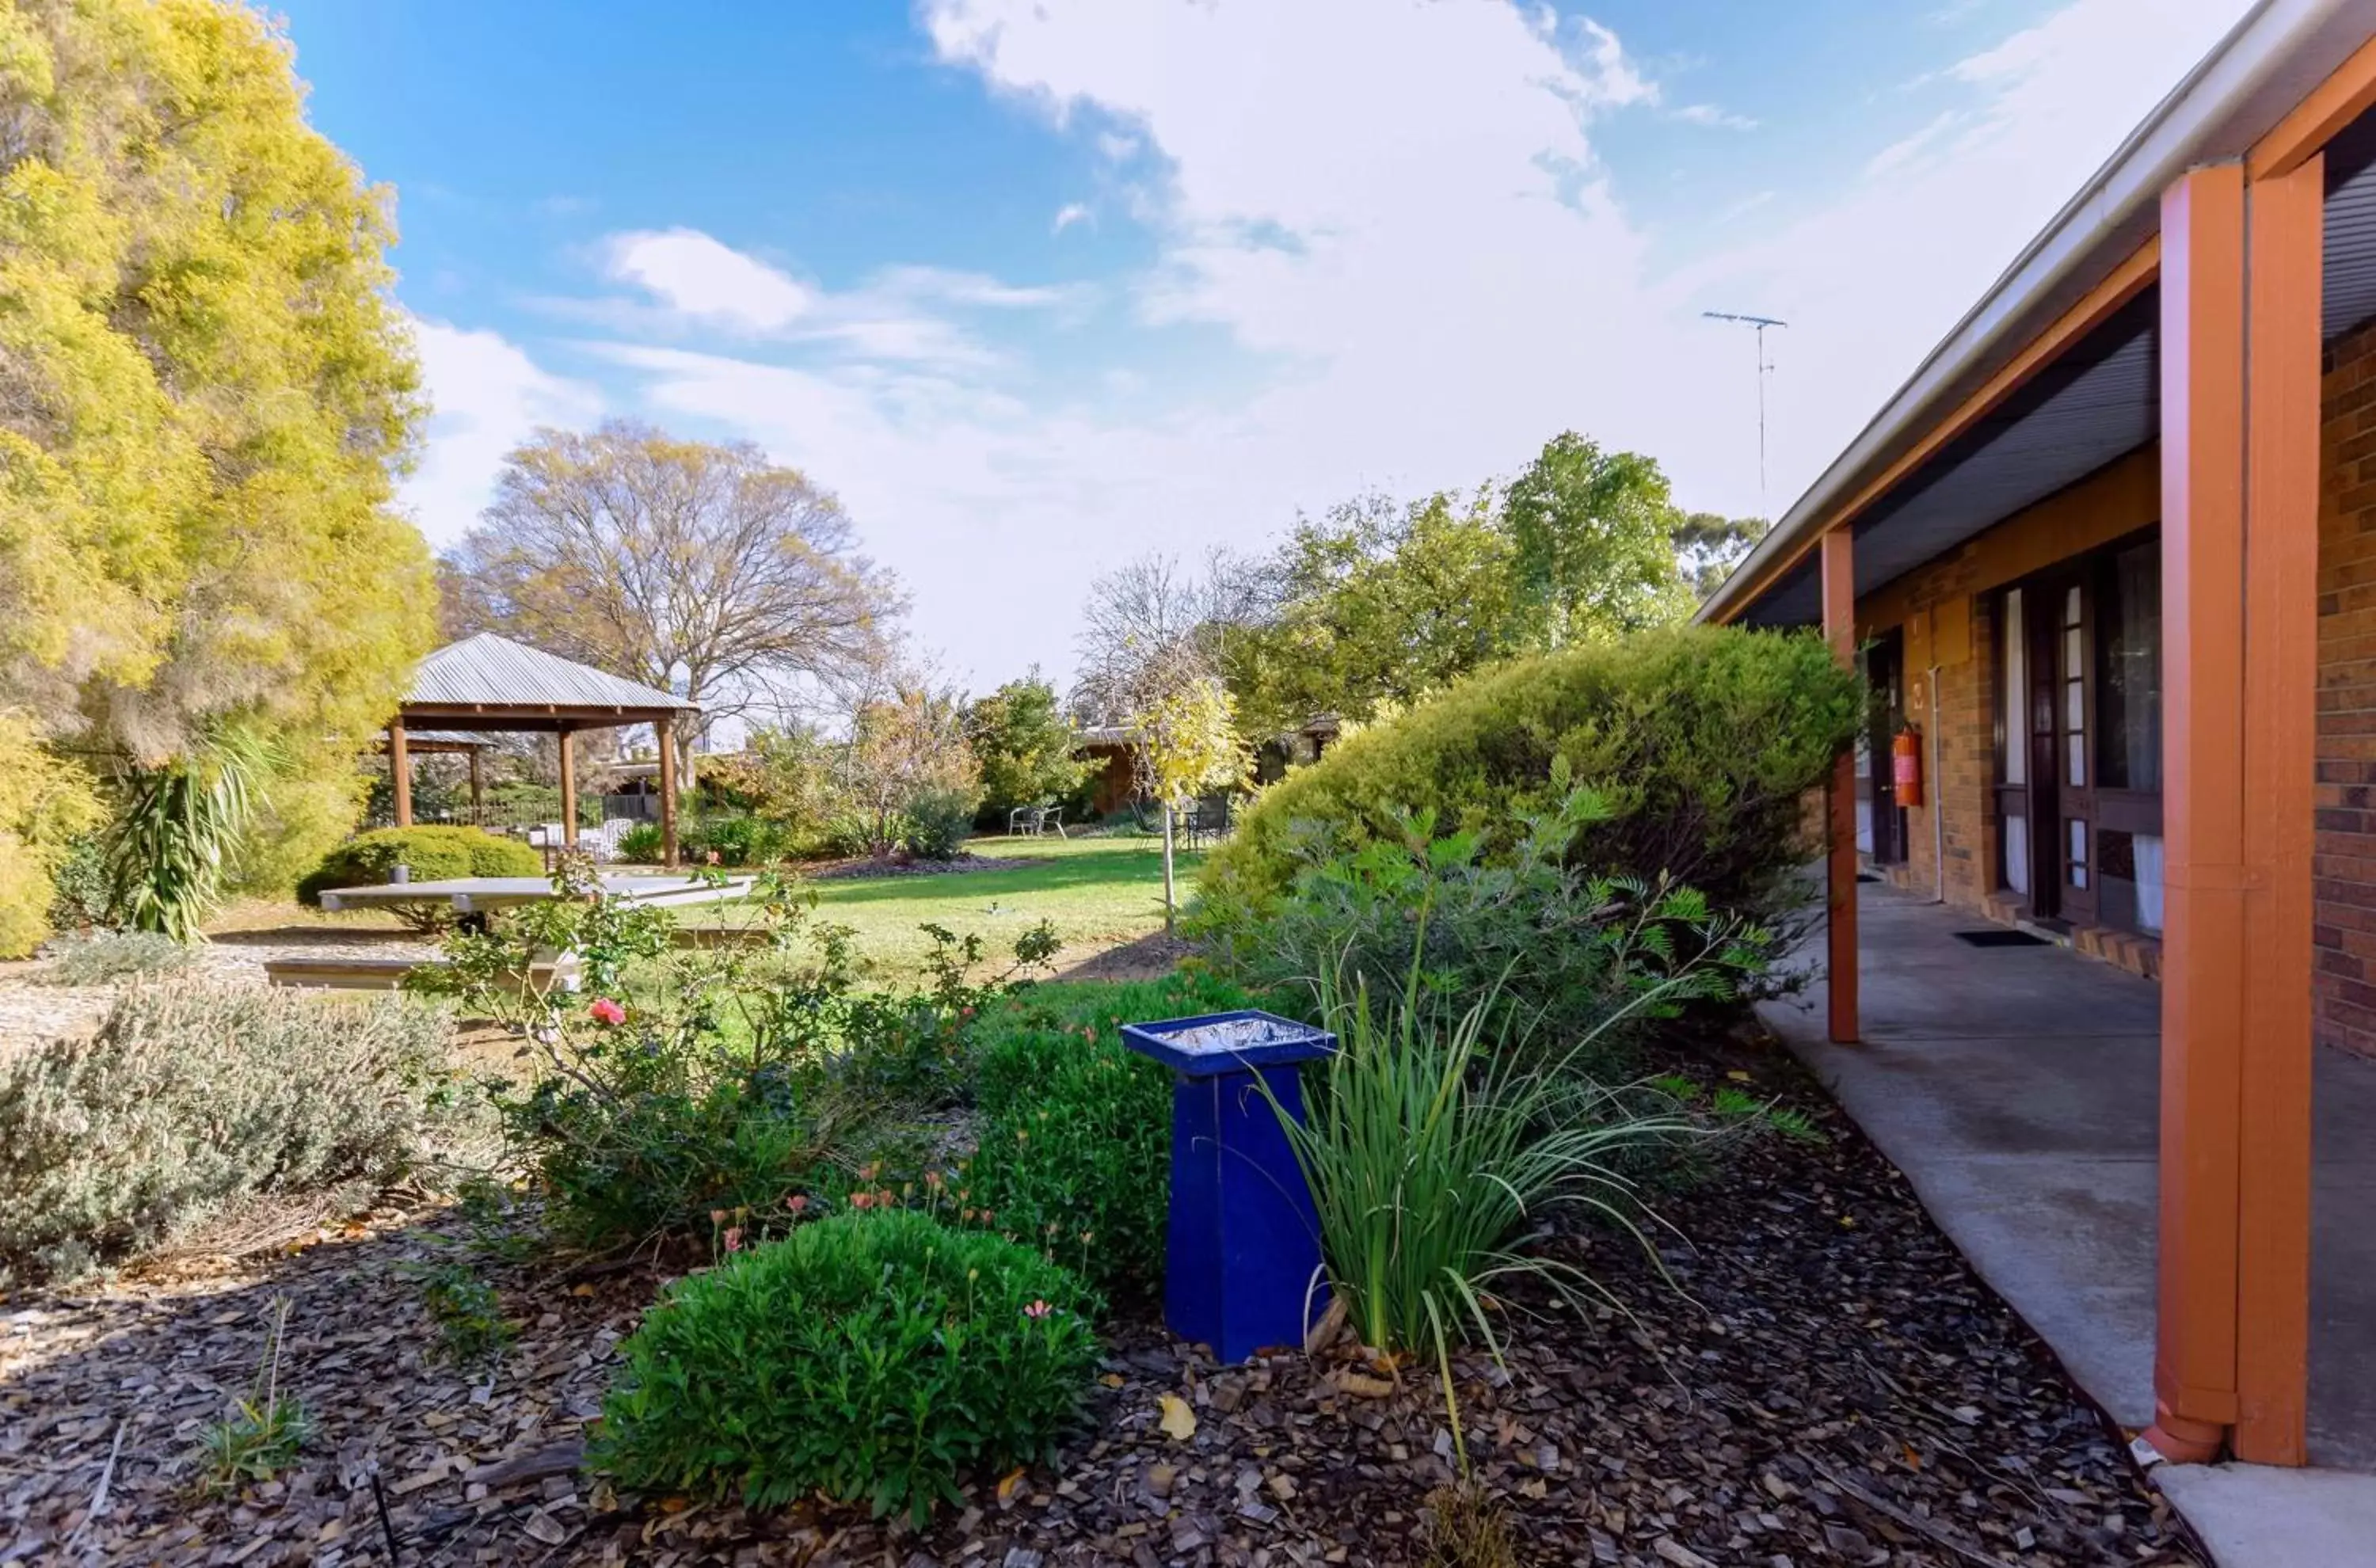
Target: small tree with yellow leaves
1185	742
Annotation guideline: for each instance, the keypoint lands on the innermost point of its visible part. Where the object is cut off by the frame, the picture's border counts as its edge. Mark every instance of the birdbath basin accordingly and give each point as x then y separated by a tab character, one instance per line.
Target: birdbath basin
1242	1267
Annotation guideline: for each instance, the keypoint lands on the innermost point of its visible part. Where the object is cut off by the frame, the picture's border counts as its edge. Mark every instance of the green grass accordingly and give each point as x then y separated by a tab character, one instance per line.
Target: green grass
1098	893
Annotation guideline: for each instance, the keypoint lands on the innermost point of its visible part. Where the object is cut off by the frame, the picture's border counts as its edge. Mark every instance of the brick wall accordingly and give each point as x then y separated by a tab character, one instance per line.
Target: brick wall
1943	610
2345	935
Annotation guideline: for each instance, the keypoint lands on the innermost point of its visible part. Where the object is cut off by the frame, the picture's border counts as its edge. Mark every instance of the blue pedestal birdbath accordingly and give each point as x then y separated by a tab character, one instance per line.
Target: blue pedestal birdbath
1242	1256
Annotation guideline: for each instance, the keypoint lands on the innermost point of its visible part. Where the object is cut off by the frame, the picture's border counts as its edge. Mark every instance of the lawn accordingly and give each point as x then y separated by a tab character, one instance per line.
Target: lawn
1100	893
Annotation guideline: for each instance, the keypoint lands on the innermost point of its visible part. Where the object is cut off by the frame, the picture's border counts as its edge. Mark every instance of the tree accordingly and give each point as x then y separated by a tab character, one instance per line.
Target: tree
1594	535
907	754
1185	742
1024	742
205	393
786	774
1371	608
693	566
1709	546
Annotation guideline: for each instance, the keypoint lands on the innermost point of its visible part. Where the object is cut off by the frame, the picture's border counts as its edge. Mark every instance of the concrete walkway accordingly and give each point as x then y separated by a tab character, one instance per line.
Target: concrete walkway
2017	1088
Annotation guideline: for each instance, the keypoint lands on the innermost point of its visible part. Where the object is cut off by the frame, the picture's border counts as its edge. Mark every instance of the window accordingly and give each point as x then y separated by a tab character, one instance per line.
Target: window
2129	692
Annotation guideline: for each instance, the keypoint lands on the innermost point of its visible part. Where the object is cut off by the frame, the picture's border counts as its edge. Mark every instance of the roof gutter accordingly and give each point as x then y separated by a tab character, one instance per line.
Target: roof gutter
2112	214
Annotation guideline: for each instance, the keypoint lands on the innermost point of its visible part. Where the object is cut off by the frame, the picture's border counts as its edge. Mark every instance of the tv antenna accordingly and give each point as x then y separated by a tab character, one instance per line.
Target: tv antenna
1764	368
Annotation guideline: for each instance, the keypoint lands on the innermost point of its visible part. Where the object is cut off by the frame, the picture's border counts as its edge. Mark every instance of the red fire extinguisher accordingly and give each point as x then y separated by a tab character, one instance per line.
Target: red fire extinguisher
1905	766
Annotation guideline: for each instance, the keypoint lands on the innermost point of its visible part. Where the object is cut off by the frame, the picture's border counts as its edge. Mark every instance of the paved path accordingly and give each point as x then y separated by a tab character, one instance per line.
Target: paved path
2019	1089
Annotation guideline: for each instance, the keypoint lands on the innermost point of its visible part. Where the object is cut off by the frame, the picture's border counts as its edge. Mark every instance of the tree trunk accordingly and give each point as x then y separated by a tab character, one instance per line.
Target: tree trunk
1167	868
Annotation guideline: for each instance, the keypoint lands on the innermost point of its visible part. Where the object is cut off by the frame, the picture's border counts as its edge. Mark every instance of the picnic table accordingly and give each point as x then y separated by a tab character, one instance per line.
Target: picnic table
473	899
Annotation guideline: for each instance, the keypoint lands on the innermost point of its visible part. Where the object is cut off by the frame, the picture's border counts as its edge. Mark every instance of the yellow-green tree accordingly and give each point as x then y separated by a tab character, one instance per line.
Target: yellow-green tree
205	393
1184	740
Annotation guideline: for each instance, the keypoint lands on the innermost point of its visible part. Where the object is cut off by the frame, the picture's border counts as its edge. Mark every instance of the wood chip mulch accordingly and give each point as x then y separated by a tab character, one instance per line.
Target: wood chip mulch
1833	1386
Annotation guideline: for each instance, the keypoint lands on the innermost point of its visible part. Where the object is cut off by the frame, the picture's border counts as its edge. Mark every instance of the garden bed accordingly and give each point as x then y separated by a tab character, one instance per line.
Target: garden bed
1844	1391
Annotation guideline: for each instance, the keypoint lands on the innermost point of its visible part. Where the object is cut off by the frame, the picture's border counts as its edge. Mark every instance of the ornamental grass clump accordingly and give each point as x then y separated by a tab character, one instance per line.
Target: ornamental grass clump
1437	1160
874	1358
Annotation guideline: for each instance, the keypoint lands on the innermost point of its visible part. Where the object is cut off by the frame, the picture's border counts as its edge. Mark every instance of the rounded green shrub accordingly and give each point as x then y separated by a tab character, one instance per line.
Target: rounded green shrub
433	853
1075	1128
1700	743
872	1357
193	1097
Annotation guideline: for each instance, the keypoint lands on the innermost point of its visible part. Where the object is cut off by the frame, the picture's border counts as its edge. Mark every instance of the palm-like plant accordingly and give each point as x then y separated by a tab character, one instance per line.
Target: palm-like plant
172	850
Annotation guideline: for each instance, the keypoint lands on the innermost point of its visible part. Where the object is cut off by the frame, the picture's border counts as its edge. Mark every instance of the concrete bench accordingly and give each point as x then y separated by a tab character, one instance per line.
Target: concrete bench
721	936
387	974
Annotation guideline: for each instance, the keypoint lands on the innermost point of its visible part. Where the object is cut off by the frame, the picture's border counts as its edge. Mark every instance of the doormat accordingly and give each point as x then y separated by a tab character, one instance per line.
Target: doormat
2001	938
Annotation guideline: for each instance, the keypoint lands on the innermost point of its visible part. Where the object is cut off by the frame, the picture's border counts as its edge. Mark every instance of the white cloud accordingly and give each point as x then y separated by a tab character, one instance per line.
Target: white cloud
1709	114
692	273
1418	298
486	397
1072	212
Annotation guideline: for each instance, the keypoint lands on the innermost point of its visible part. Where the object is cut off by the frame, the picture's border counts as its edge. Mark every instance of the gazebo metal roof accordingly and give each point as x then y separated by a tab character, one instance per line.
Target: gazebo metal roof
493	676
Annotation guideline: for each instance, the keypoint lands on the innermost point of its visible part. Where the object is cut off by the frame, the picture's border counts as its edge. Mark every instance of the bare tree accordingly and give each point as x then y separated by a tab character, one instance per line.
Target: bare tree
1149	628
693	566
1153	643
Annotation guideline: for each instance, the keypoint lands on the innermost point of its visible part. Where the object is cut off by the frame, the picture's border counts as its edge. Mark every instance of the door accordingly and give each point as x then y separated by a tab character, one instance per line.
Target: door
2047	803
2074	752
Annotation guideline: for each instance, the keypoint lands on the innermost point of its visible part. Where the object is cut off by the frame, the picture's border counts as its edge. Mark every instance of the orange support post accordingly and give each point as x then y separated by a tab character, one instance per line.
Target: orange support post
568	787
400	773
2204	964
664	732
1840	861
2284	219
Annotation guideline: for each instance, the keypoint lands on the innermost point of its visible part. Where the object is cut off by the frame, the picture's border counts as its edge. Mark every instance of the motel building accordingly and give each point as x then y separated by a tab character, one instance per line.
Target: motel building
2100	966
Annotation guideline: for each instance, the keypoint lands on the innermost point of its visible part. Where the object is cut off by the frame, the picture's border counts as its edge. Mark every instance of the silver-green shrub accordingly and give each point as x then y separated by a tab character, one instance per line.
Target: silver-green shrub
109	956
192	1096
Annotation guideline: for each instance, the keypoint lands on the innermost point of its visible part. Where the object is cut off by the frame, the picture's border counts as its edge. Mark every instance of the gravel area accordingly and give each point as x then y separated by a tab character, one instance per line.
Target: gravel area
1822	1380
31	1010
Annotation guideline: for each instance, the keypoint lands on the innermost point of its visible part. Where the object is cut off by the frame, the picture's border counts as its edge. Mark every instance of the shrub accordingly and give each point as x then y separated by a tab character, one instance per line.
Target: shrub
112	955
737	839
80	897
1701	742
192	1096
1559	951
937	823
685	1085
1024	741
643	844
1076	1129
873	1357
433	853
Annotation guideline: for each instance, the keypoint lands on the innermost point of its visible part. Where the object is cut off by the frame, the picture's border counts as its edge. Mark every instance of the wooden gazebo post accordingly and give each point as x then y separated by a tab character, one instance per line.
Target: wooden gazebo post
568	787
664	731
399	772
478	789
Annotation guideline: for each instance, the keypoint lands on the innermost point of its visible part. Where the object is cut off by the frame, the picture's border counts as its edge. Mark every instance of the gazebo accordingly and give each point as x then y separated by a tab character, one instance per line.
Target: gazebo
487	683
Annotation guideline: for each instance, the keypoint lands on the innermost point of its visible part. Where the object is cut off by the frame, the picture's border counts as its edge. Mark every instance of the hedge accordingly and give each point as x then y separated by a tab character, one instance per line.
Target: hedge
1702	741
433	853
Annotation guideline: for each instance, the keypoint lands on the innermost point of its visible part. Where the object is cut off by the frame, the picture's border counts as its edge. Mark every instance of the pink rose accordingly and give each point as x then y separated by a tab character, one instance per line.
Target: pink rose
605	1011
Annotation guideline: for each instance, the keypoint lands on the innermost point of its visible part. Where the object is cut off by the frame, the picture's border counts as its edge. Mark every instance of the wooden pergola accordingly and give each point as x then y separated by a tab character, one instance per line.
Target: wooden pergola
489	685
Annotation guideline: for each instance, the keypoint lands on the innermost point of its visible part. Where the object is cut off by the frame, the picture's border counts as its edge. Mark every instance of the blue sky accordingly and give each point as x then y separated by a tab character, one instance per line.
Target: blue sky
1037	287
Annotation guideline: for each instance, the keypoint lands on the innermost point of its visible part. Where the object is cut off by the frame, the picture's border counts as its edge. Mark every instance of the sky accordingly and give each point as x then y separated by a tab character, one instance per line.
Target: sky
1037	287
